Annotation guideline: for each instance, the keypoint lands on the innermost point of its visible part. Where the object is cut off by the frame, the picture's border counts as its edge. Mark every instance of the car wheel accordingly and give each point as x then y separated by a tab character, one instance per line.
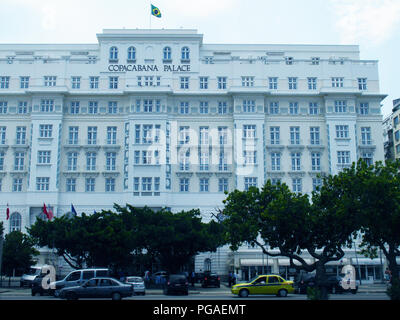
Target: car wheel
282	293
244	293
116	296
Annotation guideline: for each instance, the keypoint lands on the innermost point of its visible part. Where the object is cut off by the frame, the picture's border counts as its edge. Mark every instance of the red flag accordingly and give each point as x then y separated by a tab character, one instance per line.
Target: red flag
45	211
8	212
50	214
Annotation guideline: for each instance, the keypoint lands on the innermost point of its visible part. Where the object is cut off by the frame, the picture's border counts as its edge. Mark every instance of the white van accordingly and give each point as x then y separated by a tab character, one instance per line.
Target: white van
28	278
78	277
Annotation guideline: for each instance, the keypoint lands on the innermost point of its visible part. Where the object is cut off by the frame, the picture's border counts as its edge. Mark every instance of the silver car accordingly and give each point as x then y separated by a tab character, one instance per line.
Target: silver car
138	285
98	288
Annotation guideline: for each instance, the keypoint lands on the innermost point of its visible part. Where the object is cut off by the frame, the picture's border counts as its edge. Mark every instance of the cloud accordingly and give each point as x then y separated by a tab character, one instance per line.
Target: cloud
368	21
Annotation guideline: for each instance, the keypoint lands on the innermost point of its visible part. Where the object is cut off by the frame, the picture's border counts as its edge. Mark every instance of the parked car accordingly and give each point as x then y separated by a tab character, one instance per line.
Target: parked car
138	285
210	279
334	284
28	278
177	283
78	277
264	284
104	287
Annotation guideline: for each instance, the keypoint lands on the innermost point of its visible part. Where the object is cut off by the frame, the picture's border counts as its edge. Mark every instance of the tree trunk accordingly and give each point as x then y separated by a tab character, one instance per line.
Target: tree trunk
321	281
393	267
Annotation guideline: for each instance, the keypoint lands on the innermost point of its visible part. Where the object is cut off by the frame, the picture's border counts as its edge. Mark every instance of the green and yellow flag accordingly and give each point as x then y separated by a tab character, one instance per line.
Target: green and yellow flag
155	11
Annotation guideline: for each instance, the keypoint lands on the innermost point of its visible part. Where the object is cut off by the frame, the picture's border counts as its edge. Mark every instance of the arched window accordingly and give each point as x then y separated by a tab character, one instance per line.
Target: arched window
185	53
131	53
167	53
114	53
15	222
207	264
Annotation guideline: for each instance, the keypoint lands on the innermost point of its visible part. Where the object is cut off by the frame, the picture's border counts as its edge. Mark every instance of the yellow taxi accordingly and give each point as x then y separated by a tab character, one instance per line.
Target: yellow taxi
264	284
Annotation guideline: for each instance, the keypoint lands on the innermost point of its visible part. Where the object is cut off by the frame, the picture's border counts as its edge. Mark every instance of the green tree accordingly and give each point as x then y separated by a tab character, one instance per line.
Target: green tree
18	253
277	218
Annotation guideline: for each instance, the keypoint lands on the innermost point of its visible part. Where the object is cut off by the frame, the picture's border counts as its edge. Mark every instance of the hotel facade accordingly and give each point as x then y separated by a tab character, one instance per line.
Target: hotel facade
158	118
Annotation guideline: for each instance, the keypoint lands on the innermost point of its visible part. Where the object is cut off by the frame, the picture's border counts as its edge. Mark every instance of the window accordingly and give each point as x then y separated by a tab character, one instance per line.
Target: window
43	184
3	135
4	82
113	54
294	135
137	157
24	82
296	161
274	107
184	161
396	121
289	60
273	83
112	107
204	185
184	136
113	82
146	184
204	137
222	107
315	161
94	82
249	131
44	157
293	108
249	106
76	82
2	155
111	135
337	82
131	54
315	60
223	163
297	185
17	185
184	108
312	83
72	158
3	107
147	134
185	54
21	136
22	107
250	182
203	82
147	157
50	81
222	185
314	135
110	185
111	159
184	82
366	136
167	53
340	106
184	185
275	181
364	108
92	135
136	184
292	83
73	135
313	108
203	107
367	158
247	81
91	161
93	107
19	161
15	222
343	157
275	161
74	107
45	130
223	135
71	185
222	81
362	83
317	184
250	157
342	131
47	105
275	135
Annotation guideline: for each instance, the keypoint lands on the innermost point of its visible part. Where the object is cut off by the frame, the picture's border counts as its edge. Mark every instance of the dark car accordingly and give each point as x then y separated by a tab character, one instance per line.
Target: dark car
177	283
334	284
210	280
98	288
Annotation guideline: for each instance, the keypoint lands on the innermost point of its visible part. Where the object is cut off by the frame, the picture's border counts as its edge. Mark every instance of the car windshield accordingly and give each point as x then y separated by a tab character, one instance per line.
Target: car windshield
34	271
134	279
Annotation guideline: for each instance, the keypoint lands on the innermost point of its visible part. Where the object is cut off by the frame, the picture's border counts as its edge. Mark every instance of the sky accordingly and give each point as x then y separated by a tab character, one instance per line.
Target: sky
371	24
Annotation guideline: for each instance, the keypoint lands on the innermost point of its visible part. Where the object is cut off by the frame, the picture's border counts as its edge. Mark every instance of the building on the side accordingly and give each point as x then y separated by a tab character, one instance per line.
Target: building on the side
159	118
396	128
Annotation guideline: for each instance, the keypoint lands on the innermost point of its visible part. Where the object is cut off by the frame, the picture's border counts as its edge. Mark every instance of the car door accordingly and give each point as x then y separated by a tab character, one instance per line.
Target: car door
105	288
89	289
259	286
73	279
273	285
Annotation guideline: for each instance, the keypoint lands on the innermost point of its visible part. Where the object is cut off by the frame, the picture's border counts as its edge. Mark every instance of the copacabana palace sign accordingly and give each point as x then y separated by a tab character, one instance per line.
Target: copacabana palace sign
148	67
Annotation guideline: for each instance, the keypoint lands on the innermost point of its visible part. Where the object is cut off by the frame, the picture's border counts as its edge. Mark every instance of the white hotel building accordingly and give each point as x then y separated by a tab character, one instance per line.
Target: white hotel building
158	118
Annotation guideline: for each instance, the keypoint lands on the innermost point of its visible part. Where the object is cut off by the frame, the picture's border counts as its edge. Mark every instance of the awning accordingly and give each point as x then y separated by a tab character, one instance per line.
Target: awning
286	262
367	261
256	262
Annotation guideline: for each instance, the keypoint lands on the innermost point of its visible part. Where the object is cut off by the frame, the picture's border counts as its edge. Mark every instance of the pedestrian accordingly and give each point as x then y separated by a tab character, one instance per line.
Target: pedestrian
230	279
388	275
192	278
234	278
